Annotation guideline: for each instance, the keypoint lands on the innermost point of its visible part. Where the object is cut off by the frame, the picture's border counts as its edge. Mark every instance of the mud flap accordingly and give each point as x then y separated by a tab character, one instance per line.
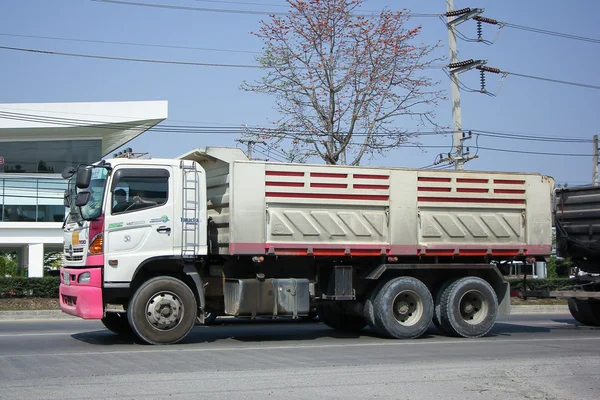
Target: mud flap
191	271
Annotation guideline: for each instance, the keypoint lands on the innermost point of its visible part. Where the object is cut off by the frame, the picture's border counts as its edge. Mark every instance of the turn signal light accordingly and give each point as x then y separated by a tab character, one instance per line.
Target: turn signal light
96	245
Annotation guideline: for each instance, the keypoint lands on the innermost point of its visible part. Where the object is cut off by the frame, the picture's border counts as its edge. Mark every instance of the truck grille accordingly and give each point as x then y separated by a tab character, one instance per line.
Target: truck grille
76	254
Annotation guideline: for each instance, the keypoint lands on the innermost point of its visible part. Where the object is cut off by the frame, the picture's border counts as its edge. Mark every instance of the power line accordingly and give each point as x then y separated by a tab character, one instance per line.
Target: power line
241	2
551	33
155	61
128	43
529	137
552	80
240	130
231	11
141	60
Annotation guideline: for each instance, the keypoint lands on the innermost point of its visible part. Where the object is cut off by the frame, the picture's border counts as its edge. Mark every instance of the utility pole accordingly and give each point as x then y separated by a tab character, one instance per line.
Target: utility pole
595	170
458	138
250	143
456	113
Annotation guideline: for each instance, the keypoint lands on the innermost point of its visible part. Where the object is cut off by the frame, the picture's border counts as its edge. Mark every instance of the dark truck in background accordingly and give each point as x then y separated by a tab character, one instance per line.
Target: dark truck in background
577	222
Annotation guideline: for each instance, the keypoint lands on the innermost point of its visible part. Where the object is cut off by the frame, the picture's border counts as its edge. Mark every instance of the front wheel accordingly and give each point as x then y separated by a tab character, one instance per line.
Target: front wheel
117	323
162	311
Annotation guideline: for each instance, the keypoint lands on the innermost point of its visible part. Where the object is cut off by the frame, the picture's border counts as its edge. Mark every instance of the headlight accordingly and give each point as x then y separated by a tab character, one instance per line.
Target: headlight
84	278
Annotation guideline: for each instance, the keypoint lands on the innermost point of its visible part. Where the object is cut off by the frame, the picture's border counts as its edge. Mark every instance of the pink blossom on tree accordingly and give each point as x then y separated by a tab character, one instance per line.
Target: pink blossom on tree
341	78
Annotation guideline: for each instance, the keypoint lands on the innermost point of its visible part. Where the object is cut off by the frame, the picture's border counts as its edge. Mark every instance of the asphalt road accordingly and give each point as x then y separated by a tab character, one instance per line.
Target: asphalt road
545	356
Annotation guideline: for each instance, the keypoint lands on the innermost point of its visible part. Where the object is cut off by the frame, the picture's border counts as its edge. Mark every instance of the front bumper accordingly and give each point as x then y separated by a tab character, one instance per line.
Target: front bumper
81	300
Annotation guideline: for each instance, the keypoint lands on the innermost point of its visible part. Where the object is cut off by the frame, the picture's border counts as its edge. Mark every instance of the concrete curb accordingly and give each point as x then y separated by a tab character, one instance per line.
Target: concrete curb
536	309
59	315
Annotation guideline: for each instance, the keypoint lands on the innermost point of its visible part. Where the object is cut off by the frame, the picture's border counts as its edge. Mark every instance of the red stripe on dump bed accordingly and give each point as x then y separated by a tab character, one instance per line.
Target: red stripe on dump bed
431	179
329	196
509	182
434	189
376	187
471	180
284	173
509	191
367	176
470	200
329	185
327	175
293	184
472	190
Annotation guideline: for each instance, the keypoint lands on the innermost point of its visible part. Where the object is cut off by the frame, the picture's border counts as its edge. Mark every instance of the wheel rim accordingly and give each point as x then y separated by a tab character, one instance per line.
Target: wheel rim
473	307
164	310
408	308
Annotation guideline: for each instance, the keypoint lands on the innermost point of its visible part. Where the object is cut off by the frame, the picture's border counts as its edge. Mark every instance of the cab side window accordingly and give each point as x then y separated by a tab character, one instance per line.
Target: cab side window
136	189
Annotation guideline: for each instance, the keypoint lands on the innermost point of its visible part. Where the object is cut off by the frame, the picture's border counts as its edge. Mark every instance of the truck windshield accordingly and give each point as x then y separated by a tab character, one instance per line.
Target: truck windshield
93	209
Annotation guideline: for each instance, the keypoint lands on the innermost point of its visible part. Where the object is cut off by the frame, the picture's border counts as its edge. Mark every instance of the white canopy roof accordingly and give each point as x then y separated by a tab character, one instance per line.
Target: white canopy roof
115	123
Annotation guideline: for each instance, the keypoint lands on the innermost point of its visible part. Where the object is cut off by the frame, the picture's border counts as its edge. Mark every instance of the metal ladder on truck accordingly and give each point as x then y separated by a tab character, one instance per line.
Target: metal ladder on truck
189	212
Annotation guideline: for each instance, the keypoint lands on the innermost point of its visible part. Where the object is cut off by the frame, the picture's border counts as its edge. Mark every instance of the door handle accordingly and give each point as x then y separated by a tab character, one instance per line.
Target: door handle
163	229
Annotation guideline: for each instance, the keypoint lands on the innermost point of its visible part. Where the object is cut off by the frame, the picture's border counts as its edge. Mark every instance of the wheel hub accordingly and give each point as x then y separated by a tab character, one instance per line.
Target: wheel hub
408	308
164	311
473	307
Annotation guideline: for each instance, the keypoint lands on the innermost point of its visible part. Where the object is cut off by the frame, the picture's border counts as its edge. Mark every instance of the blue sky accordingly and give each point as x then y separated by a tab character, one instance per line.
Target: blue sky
211	96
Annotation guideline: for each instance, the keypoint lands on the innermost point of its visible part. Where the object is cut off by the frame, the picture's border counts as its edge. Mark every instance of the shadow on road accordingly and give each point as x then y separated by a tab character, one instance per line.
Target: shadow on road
242	331
264	330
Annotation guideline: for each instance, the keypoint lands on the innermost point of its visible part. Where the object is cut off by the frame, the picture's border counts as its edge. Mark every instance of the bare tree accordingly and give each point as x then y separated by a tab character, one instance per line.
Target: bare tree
340	79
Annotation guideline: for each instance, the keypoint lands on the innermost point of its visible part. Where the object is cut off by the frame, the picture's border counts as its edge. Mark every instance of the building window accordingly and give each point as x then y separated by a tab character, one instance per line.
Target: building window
28	199
48	156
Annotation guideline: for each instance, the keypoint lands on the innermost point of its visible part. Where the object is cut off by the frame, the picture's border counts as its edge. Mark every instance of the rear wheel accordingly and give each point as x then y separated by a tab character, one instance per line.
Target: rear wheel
162	311
336	317
468	307
402	308
117	323
437	310
585	312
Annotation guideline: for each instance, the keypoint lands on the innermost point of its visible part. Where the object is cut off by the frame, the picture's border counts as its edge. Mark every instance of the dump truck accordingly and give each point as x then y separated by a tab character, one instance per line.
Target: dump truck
154	247
577	221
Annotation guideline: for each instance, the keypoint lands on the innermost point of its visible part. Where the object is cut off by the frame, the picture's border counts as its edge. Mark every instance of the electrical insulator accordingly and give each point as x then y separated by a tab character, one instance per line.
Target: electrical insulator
482	78
456	13
479	31
460	64
489	69
486	20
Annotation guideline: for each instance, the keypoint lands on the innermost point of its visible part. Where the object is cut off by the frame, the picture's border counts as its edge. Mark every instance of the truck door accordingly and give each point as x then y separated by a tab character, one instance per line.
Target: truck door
138	219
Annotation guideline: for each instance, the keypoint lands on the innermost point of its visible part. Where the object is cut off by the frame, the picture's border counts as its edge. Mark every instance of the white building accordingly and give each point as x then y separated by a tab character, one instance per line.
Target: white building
37	141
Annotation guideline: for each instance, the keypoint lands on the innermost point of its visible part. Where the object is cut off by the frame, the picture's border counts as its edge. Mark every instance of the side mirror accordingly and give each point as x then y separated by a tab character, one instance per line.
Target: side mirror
68	172
83	198
67	198
84	177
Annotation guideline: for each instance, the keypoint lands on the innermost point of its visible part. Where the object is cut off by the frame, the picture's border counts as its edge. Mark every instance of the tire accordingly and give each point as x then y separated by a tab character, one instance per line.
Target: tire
468	308
172	321
334	316
117	323
402	308
584	312
437	310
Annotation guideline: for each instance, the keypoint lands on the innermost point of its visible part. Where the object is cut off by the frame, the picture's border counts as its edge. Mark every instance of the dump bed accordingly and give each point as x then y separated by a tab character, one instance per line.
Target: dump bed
298	209
577	217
